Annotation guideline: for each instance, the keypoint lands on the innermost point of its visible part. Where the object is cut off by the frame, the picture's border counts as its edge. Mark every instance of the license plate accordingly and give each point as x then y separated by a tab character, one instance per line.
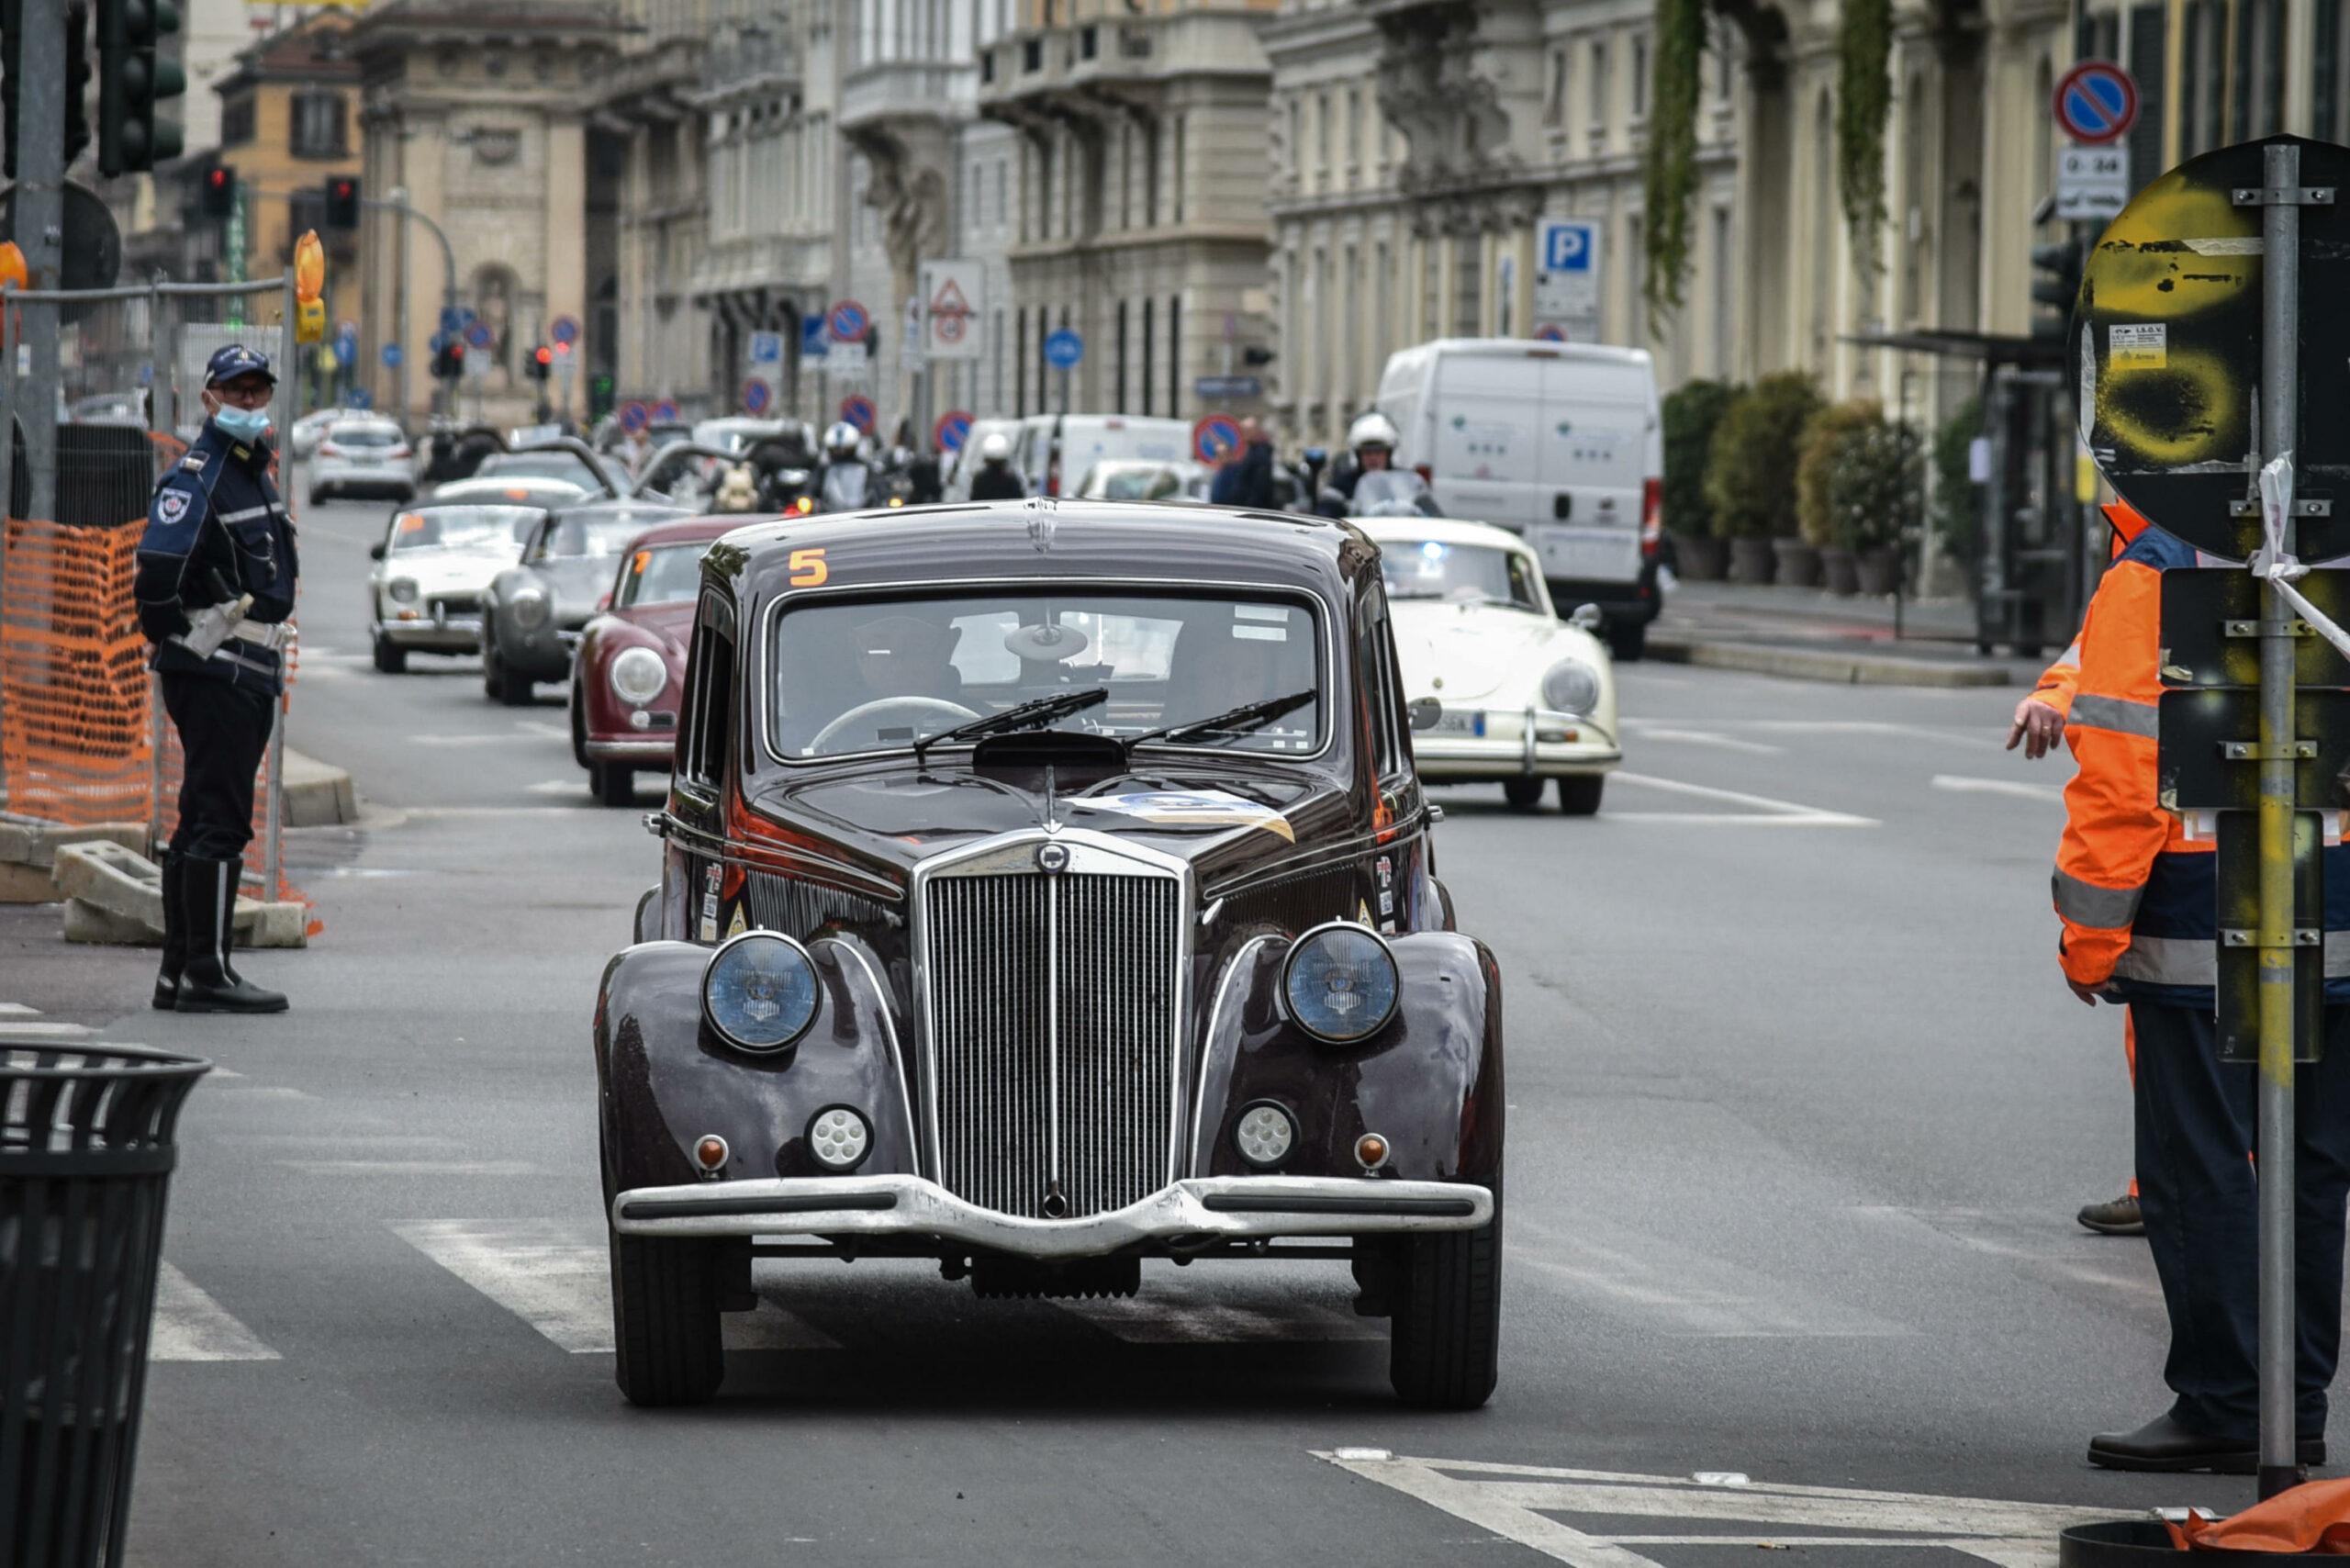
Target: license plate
1601	555
1454	723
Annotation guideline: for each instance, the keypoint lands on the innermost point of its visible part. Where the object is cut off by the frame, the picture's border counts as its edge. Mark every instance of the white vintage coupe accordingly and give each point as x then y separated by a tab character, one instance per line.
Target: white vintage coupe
1520	696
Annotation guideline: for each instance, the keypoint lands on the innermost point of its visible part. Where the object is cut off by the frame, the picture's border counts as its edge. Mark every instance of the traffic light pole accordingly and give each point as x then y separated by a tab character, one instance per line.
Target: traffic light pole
397	202
40	217
2280	237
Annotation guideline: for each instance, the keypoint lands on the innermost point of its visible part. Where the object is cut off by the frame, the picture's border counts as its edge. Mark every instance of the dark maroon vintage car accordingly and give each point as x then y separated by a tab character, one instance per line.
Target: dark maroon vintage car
1046	889
629	671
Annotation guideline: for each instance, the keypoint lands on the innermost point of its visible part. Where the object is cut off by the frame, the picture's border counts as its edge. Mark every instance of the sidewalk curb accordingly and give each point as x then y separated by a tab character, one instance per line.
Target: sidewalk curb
317	794
1821	664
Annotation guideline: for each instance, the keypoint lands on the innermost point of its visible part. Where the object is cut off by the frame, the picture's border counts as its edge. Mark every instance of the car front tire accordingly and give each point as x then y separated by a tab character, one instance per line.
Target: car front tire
1579	794
1628	643
665	1320
1525	794
1444	1353
390	657
614	785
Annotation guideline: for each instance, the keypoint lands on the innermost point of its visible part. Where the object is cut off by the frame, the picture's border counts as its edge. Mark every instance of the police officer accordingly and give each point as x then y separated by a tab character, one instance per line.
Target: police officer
997	480
216	569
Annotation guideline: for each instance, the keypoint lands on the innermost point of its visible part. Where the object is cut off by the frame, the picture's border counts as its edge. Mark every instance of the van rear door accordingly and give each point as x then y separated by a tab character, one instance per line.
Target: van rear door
1482	458
1592	465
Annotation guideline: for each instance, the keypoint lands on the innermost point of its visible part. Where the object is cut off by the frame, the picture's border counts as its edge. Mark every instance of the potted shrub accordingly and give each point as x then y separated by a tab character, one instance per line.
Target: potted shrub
1830	556
1874	475
1957	500
1751	469
1691	416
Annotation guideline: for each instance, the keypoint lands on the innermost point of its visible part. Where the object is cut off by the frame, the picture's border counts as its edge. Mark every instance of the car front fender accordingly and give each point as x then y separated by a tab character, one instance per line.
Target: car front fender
1430	1082
665	1081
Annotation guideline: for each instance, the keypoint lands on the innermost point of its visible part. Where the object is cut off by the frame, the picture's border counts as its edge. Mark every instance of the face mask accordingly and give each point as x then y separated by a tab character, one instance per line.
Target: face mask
242	424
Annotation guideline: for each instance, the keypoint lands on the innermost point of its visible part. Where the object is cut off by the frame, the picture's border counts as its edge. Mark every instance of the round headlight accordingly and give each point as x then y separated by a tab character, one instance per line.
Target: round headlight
531	607
759	992
1264	1135
402	590
1570	686
1340	983
638	675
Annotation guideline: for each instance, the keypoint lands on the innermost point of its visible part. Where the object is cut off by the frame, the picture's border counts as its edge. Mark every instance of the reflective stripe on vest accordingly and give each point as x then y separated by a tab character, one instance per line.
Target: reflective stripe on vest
2086	903
2192	961
2116	713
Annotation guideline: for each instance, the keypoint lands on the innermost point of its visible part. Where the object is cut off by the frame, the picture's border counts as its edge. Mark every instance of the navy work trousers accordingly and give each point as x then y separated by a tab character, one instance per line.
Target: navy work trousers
2196	1183
223	729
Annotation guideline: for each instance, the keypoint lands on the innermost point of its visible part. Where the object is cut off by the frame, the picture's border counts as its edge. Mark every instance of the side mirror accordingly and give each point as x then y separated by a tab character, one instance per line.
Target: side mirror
1427	713
1586	618
375	551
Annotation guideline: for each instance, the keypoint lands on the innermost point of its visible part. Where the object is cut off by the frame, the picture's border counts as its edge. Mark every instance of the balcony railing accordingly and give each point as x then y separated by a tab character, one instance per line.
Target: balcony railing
897	89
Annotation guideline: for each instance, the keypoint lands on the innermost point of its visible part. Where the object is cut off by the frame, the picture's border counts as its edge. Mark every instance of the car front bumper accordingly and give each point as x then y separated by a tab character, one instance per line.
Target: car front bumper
442	633
1502	743
1202	1208
391	480
636	751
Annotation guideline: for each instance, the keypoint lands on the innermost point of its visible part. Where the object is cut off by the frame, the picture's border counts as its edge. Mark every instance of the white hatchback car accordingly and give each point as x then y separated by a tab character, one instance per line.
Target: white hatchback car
362	456
1502	690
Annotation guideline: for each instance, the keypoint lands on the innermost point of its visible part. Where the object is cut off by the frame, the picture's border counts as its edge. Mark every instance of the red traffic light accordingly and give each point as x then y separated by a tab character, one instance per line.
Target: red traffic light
342	189
543	354
215	176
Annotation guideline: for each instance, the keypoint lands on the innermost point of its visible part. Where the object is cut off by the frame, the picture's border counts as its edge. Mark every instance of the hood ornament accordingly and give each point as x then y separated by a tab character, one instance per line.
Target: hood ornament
1040	525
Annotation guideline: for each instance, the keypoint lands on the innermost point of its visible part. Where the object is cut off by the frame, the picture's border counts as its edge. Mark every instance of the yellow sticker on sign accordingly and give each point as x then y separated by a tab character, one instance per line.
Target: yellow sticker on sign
2140	345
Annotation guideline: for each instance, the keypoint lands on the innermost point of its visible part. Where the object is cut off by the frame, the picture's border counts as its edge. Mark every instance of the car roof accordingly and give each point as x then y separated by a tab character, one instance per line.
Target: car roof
1444	530
1040	537
482	487
603	509
694	529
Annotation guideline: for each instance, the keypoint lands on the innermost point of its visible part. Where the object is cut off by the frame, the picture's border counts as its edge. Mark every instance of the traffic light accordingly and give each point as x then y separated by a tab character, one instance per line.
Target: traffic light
77	79
542	363
132	79
449	363
217	191
2055	284
342	202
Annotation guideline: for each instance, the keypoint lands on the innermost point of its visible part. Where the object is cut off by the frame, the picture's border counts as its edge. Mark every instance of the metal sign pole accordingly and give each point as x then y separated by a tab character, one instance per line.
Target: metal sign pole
2280	233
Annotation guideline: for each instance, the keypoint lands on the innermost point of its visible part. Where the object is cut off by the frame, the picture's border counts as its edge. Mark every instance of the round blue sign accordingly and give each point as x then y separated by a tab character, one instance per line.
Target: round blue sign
846	321
564	329
953	428
2096	103
479	334
634	416
392	356
665	410
1063	348
1215	438
859	410
757	394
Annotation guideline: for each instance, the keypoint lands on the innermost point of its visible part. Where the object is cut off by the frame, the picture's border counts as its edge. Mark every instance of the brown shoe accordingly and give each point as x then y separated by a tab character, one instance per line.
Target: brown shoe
2118	1216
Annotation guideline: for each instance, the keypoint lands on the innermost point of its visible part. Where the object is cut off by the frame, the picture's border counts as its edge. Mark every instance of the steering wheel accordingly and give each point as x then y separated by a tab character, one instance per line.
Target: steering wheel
883	705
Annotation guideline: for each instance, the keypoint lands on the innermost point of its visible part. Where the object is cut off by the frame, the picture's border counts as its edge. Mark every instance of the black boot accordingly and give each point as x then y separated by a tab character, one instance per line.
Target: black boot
167	979
206	983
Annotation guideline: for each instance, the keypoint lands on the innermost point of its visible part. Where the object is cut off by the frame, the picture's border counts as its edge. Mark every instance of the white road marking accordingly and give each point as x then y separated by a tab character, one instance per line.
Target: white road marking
577	785
556	1275
461	812
1703	737
31	1034
1520	1502
192	1327
1959	785
410	1167
461	740
1764	811
17	1010
1680	1293
1171	1314
541	727
262	1092
341	1140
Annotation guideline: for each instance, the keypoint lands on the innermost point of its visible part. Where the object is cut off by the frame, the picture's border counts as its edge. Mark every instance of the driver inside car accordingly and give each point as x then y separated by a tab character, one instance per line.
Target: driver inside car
904	656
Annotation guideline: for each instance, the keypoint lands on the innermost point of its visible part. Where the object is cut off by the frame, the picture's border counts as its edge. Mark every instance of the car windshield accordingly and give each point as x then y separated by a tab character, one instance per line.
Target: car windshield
363	435
1145	484
568	466
1392	492
1475	574
662	574
464	528
861	676
576	535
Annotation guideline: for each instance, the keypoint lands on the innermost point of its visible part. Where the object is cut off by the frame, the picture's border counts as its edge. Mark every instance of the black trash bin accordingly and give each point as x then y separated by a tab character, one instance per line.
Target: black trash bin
85	1158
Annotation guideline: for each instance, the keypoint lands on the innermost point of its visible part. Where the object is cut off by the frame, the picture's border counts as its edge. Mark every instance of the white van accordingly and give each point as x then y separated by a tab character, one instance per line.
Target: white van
1561	442
1054	449
965	464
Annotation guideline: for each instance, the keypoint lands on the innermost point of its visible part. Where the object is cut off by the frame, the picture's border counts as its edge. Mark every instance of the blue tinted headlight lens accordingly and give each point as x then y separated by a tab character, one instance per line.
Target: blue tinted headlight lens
1339	983
759	991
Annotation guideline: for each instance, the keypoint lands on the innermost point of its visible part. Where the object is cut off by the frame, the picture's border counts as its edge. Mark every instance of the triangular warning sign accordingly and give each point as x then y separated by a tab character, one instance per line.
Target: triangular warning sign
949	300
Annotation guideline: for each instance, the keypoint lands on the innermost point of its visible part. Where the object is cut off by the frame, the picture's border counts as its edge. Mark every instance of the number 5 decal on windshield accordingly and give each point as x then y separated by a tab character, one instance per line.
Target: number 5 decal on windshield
808	568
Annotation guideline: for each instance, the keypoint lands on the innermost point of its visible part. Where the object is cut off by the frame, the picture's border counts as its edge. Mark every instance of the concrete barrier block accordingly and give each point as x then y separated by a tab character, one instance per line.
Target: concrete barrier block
317	794
86	922
121	882
24	841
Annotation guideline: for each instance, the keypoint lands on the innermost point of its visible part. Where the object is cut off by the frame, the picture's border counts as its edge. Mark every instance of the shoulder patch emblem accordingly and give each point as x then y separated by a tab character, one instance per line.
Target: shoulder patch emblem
171	505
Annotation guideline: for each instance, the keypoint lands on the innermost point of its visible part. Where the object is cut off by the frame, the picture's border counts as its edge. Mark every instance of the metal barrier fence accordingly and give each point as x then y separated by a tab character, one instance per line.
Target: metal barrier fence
83	739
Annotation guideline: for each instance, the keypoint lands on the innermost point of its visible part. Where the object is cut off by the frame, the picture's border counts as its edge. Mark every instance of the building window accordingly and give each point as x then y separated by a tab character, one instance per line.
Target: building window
1639	77
1148	306
1321	143
1121	398
1354	136
1554	102
1295	148
1175	345
1020	369
1177	172
237	121
1598	94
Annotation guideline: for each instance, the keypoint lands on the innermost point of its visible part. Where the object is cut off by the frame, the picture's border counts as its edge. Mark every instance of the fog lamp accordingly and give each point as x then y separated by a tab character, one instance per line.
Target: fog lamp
1264	1135
839	1138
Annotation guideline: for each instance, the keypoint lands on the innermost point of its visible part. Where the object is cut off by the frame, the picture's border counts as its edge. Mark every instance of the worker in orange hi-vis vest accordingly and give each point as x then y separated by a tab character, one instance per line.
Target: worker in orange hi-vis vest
2038	726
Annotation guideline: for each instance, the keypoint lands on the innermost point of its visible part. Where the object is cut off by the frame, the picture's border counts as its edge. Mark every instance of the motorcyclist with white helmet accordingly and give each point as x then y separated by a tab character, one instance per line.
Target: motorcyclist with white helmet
997	479
846	484
1371	445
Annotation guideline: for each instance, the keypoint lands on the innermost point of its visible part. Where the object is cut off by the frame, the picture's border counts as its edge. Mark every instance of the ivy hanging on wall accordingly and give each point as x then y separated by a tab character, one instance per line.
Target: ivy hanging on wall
1864	105
1671	175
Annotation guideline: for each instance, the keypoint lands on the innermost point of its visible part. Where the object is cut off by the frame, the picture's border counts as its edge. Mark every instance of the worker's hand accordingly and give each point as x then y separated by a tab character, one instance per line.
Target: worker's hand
2038	726
2090	995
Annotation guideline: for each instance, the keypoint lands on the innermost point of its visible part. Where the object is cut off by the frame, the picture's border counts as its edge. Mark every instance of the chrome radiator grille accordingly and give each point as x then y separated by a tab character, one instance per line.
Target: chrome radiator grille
1052	1035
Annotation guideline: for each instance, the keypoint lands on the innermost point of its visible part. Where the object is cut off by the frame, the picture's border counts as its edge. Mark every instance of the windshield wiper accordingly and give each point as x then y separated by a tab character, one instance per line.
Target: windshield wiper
1232	722
1020	716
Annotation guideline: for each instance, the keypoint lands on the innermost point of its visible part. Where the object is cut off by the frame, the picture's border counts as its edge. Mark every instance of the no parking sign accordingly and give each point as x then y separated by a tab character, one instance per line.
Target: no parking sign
1215	438
757	396
634	416
953	428
859	410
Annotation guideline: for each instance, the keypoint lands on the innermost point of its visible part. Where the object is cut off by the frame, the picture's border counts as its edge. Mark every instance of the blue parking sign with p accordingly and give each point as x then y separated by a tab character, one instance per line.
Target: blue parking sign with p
1567	247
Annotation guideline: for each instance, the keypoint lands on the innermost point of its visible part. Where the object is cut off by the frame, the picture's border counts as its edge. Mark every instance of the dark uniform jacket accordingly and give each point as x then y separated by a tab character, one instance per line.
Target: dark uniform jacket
216	528
997	482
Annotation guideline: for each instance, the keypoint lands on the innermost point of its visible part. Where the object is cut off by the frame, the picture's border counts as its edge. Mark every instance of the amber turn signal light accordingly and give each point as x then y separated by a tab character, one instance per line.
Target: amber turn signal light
1370	1152
709	1153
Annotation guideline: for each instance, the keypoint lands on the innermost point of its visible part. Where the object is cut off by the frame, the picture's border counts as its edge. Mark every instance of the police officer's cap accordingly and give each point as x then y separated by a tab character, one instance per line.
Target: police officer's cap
228	363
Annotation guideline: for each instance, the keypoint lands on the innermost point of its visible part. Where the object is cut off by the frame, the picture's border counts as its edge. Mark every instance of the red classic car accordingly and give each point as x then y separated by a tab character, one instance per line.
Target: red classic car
631	667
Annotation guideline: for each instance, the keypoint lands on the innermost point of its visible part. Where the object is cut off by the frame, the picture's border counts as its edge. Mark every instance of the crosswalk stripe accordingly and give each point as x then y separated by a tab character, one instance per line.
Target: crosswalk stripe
38	1034
192	1327
556	1275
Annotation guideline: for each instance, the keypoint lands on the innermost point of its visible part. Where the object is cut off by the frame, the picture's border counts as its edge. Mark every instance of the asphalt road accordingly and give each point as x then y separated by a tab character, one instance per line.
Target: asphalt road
1800	1113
